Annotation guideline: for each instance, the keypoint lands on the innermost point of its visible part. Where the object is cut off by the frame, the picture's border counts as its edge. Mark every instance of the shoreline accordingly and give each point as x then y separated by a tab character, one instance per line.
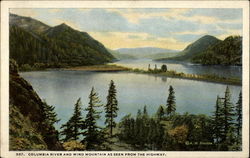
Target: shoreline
169	73
204	78
98	68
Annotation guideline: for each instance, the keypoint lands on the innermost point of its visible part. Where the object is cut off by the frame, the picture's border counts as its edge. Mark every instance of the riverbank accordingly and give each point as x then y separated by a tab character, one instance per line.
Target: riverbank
99	68
169	73
206	78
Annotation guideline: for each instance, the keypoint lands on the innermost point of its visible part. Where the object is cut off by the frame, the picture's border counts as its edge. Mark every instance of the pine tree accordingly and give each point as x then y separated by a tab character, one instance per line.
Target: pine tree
92	133
50	114
139	128
218	120
239	116
160	113
73	128
171	105
111	107
228	112
145	125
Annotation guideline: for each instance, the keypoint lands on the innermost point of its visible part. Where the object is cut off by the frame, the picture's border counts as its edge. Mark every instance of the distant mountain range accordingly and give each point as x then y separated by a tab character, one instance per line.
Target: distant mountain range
209	50
36	44
121	56
146	52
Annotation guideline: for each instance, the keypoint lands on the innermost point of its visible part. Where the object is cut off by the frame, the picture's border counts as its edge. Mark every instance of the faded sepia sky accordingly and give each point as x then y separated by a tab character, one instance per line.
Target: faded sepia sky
129	28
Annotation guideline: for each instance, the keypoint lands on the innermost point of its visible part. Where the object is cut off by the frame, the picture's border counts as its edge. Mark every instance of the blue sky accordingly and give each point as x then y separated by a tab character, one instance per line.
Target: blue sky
129	28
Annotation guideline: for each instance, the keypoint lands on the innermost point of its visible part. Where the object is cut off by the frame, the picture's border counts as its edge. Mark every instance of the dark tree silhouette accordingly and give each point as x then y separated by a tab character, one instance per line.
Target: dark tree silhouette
73	128
239	116
92	133
111	108
171	105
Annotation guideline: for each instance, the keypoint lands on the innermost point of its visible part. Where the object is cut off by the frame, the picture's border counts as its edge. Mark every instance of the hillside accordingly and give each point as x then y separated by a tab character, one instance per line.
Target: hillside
194	48
227	52
59	46
28	127
147	52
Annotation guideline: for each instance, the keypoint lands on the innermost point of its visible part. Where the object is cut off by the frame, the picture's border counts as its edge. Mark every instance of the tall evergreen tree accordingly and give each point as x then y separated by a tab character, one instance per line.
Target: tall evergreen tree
73	128
171	105
92	133
239	116
228	111
111	108
160	113
139	128
218	120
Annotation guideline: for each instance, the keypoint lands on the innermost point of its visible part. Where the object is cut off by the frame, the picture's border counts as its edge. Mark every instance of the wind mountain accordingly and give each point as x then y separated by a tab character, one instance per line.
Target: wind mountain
36	44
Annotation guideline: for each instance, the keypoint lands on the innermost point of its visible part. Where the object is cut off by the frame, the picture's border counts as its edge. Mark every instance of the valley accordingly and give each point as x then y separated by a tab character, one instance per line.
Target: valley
145	98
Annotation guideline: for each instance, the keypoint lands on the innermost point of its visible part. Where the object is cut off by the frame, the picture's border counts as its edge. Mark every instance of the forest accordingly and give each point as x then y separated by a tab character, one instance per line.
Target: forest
33	51
166	130
227	52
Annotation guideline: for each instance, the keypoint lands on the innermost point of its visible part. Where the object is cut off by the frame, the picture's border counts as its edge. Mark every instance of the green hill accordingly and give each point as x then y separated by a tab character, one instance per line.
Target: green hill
194	48
227	52
58	46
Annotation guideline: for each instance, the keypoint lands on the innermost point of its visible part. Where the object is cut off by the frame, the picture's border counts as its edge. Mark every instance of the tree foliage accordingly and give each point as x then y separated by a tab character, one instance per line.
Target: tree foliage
73	128
171	105
218	118
239	117
61	46
111	108
92	131
227	52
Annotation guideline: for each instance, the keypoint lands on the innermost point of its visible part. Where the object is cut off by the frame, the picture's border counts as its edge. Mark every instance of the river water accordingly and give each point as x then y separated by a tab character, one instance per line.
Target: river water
134	91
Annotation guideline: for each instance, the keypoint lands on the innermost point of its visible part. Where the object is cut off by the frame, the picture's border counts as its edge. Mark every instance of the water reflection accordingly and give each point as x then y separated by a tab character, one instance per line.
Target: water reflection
63	88
185	67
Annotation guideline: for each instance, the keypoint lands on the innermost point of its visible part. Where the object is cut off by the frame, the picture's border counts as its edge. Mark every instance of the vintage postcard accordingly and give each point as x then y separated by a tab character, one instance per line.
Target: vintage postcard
124	79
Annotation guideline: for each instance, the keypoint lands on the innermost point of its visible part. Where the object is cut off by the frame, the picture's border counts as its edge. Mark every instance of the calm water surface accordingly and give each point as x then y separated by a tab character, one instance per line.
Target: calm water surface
63	88
225	71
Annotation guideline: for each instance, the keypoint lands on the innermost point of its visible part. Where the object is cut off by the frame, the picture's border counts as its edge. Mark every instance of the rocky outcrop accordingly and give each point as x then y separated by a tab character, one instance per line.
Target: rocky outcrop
28	130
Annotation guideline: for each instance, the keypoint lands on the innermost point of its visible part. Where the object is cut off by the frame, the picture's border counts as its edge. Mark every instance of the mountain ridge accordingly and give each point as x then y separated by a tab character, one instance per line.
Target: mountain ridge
58	46
226	52
195	48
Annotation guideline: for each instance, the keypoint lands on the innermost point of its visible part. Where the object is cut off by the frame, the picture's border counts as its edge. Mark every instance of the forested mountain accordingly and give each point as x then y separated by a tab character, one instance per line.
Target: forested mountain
34	44
30	127
227	52
147	52
195	48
